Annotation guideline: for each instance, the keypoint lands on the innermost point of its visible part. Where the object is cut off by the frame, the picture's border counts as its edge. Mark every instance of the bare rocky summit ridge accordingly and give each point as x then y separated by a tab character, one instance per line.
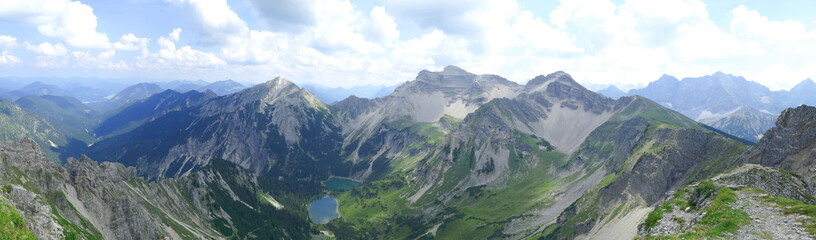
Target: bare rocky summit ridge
272	128
789	145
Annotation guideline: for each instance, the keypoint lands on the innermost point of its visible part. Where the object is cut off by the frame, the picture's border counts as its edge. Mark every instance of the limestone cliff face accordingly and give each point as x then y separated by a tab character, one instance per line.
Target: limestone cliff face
790	144
91	200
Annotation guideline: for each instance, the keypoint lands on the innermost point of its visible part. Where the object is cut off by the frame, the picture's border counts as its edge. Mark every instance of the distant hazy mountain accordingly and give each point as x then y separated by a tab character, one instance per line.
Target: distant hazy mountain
78	91
333	95
708	95
612	92
223	87
802	93
744	122
35	88
39	88
67	114
727	98
87	94
128	95
183	85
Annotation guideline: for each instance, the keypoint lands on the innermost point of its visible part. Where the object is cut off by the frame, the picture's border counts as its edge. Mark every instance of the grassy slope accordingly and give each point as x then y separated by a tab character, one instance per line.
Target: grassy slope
381	209
12	224
17	124
67	114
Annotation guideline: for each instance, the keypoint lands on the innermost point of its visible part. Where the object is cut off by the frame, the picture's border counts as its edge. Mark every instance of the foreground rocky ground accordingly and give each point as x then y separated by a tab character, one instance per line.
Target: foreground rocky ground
749	202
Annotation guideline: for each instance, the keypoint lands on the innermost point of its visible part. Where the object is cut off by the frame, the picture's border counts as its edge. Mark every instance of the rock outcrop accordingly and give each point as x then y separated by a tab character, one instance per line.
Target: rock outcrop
85	199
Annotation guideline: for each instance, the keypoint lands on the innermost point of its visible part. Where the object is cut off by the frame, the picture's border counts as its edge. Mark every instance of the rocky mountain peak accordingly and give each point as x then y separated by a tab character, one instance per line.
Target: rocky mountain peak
804	85
802	118
555	82
272	92
613	92
556	76
276	83
789	143
269	91
665	79
451	76
454	70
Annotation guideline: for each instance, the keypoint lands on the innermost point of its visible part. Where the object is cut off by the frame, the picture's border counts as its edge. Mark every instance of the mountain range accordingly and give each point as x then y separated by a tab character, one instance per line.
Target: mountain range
448	155
333	95
724	100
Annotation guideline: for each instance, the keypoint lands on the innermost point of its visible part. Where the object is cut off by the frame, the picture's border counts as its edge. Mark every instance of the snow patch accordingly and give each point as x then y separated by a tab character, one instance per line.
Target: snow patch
272	201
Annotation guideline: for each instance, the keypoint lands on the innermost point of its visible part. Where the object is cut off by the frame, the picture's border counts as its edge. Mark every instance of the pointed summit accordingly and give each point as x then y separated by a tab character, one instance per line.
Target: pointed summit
667	78
268	92
612	92
806	84
559	76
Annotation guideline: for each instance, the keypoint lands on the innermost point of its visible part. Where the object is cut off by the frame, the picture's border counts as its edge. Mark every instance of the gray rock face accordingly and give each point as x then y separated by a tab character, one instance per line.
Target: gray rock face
38	215
453	92
790	144
90	200
771	180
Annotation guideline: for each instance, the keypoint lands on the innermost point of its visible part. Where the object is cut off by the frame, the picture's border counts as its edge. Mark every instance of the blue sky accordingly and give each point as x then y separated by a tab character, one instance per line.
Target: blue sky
627	43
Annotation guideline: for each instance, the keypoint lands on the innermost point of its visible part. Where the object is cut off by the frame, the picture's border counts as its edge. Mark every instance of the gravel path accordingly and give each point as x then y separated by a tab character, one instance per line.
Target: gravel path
767	220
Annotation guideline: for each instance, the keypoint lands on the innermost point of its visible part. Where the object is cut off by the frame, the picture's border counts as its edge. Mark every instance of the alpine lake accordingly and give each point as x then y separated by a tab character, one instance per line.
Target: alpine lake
324	209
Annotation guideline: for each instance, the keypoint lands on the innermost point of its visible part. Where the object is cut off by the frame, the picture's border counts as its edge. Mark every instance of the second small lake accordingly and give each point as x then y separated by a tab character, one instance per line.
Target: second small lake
340	184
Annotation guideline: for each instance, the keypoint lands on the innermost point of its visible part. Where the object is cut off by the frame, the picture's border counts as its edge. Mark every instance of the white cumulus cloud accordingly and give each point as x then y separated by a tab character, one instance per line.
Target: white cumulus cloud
70	21
47	48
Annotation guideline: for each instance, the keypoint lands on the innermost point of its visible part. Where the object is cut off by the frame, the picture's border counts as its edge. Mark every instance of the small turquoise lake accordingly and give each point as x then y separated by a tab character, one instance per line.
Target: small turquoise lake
340	184
323	210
